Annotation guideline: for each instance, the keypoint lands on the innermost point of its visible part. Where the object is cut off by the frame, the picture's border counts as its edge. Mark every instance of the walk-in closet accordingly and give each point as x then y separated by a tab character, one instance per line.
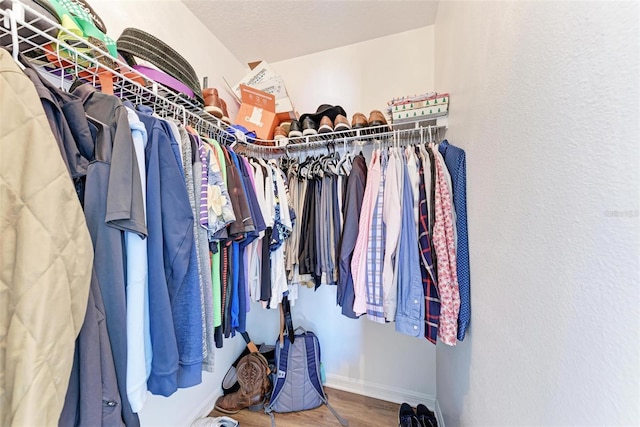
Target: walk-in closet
310	213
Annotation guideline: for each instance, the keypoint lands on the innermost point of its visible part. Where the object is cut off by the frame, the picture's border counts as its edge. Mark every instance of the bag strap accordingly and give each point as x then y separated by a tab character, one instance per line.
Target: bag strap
342	421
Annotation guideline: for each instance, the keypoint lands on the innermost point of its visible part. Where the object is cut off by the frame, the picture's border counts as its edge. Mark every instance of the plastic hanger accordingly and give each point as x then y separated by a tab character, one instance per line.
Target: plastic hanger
15	46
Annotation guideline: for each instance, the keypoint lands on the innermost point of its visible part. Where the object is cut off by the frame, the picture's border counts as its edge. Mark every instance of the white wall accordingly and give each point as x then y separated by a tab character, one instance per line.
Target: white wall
362	76
544	99
360	355
174	24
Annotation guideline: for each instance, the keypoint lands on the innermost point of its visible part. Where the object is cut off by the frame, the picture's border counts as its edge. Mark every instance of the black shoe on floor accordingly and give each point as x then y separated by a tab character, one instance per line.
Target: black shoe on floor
406	416
425	416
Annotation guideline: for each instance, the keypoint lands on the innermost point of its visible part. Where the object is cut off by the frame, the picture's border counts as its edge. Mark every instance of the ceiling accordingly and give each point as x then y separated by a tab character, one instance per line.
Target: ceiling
278	30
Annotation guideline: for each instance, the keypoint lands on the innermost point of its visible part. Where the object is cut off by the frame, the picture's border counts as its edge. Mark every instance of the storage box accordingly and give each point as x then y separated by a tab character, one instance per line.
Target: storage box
285	110
260	73
420	113
257	112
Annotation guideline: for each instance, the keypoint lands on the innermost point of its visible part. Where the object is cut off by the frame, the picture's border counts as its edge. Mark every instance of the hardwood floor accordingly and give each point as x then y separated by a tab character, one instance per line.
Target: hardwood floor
360	411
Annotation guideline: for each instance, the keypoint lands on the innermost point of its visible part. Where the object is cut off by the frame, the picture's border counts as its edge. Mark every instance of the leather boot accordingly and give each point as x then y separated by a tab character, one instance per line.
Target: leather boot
253	377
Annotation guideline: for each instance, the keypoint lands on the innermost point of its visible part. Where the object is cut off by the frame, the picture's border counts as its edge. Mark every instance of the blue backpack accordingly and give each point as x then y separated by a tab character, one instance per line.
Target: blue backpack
297	384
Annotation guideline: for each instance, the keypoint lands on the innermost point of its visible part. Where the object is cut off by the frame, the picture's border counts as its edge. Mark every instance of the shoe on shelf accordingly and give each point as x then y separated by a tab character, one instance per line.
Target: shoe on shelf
212	104
309	127
286	126
279	133
341	123
225	113
376	118
326	125
426	417
295	130
406	416
359	121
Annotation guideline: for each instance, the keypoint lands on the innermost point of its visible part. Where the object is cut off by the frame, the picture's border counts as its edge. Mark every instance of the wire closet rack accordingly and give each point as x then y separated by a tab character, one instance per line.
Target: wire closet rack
26	31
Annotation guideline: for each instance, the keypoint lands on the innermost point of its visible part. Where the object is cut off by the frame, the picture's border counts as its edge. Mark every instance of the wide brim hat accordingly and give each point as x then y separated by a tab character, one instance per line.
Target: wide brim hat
328	110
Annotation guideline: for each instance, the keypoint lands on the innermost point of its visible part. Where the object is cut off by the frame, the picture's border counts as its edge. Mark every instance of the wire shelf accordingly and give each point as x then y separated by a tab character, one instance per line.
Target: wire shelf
72	59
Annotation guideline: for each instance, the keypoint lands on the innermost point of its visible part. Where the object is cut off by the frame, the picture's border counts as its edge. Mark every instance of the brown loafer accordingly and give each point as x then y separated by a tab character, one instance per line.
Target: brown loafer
341	123
359	121
326	125
376	118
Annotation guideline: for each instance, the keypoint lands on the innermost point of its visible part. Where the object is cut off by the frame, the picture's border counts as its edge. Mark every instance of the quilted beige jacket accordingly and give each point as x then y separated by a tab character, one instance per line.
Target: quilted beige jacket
45	259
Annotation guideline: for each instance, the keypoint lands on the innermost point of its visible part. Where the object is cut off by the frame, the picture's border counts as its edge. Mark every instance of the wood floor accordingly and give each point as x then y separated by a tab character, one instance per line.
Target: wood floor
360	411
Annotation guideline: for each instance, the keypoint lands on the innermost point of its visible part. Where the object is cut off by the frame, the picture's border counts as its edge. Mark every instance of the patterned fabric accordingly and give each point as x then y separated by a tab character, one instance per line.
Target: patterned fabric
432	300
375	250
359	260
444	245
218	203
204	180
455	159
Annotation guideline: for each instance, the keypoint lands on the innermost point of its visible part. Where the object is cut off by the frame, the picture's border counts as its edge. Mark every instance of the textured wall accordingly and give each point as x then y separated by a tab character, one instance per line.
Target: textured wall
361	76
544	98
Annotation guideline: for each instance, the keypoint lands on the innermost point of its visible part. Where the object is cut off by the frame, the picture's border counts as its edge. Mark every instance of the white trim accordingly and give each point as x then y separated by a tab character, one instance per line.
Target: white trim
379	391
439	417
205	408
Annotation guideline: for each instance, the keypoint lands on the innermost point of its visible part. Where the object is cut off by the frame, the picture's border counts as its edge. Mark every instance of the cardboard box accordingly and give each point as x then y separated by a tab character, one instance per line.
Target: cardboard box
257	112
285	110
260	73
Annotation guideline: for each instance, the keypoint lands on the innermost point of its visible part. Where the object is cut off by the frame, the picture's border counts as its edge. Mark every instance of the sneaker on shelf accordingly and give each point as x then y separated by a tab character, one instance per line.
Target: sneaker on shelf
326	125
295	130
309	127
359	121
212	104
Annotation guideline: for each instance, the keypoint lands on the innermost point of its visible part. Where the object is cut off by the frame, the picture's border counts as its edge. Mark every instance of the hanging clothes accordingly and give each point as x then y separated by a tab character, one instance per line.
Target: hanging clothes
33	178
354	195
455	160
113	203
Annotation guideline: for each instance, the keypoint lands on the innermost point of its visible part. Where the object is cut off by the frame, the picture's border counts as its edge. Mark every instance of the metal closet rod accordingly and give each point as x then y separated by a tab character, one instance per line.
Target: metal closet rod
372	135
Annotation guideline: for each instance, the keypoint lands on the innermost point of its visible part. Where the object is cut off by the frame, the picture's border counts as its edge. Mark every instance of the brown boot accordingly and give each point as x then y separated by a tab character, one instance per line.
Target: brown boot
253	377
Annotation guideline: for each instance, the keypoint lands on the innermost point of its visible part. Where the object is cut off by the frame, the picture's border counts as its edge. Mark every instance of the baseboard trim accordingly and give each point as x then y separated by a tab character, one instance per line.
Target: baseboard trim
438	412
206	407
379	391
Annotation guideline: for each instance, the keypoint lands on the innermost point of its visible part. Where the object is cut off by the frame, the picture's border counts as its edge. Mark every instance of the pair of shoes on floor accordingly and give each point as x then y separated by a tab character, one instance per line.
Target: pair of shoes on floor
422	417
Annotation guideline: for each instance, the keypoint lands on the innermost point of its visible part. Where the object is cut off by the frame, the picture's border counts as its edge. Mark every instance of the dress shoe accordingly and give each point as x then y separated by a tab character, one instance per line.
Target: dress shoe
225	113
212	104
295	129
376	118
406	416
426	417
341	123
253	377
359	121
326	125
309	127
